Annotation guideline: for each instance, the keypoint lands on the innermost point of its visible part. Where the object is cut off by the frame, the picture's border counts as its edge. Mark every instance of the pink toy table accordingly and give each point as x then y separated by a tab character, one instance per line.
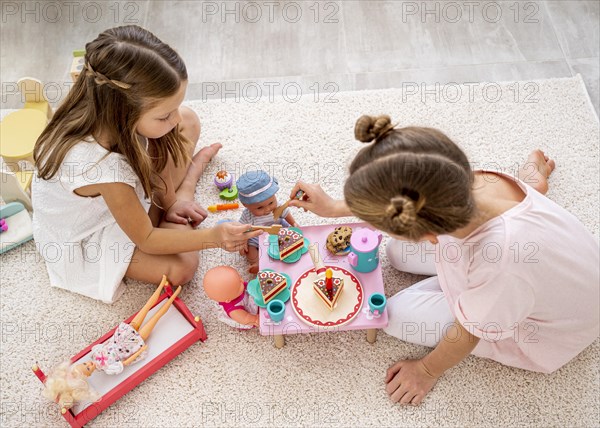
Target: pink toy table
371	282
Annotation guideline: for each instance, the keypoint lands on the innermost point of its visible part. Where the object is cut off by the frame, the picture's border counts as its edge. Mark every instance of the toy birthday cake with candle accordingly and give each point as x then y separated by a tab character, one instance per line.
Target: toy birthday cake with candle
289	242
271	283
329	289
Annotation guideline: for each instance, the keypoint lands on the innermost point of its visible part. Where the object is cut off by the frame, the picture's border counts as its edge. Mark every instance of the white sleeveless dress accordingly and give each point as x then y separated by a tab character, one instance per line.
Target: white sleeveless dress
84	248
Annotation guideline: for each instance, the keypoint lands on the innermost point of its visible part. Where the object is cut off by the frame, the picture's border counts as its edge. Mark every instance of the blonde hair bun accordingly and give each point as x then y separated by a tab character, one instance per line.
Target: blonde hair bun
369	128
401	213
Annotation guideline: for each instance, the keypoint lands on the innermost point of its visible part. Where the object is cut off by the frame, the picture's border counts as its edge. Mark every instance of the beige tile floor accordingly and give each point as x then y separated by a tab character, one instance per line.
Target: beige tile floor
246	48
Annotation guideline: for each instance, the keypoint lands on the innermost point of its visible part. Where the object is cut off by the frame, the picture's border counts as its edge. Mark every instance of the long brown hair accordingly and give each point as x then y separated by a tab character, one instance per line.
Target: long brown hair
409	181
128	70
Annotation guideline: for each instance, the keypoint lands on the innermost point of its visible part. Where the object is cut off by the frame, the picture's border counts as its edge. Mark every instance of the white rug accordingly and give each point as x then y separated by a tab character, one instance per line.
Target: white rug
238	378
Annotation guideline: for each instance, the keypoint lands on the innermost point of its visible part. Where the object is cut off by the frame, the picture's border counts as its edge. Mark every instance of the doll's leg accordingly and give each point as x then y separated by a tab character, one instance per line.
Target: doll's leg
139	318
149	326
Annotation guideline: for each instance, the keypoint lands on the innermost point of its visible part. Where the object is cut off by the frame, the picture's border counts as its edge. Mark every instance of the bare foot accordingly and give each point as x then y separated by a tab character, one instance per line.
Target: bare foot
199	163
536	171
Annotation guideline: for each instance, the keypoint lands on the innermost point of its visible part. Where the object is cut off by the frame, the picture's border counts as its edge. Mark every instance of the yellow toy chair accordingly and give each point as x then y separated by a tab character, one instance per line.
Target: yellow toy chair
20	130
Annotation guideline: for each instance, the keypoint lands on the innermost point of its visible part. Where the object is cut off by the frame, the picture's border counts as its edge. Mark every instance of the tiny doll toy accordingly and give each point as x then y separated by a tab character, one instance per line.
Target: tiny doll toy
258	194
224	285
66	384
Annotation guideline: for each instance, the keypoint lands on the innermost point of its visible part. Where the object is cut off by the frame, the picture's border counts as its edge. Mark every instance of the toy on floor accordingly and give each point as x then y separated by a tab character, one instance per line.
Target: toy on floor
364	245
258	194
278	212
329	289
224	285
338	241
224	182
67	383
223	207
15	225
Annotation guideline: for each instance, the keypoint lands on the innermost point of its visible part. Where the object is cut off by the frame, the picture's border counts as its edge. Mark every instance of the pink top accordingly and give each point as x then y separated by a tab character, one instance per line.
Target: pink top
527	283
236	303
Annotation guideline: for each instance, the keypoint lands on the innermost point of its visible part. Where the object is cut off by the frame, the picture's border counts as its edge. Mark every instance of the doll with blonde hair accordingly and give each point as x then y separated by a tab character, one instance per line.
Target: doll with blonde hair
67	383
531	310
113	193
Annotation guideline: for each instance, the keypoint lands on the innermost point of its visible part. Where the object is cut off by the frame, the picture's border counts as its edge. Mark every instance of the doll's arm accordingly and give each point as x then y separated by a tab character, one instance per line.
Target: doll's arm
134	356
244	317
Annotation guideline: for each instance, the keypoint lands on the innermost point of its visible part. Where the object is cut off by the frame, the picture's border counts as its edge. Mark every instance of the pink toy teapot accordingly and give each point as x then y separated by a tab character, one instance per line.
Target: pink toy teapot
364	247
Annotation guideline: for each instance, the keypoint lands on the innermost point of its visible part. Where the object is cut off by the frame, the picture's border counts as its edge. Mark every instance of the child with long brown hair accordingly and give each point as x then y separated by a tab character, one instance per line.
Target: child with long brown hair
113	194
517	275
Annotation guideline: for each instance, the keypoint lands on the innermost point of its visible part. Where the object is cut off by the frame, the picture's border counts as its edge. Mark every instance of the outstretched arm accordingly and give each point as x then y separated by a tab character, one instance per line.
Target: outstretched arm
132	358
318	202
409	381
127	210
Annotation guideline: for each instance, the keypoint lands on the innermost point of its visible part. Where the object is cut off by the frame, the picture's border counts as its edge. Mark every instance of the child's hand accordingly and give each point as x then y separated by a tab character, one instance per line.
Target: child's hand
234	236
317	201
184	212
408	382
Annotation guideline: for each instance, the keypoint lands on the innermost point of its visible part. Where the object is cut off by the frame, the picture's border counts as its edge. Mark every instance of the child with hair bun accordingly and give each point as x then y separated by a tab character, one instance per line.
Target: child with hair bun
113	193
535	311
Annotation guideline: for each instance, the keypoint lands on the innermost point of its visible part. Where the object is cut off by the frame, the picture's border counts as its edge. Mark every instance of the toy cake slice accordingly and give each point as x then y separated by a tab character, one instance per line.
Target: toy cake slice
329	297
271	283
289	242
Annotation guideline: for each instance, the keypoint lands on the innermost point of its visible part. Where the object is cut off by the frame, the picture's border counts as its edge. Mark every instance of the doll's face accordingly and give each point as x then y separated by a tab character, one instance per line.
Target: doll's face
263	208
86	368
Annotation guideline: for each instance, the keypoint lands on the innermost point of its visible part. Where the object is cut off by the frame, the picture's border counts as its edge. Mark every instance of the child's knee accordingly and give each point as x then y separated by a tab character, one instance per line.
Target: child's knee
190	124
184	269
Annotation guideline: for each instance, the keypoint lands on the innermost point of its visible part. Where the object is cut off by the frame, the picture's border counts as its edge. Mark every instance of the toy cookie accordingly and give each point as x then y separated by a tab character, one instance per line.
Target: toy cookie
338	241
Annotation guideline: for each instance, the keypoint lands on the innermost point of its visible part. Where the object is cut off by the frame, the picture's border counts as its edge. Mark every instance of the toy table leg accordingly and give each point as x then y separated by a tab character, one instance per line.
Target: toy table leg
371	335
279	340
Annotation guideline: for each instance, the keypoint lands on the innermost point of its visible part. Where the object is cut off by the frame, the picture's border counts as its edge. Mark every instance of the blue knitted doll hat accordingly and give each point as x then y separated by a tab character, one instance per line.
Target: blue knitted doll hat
256	186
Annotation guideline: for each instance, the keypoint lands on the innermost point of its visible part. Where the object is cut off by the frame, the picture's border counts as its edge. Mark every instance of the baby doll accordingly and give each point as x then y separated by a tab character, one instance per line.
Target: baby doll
67	383
257	192
224	285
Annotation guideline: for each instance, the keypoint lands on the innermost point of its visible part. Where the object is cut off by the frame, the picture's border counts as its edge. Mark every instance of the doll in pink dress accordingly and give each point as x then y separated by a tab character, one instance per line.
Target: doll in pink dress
67	383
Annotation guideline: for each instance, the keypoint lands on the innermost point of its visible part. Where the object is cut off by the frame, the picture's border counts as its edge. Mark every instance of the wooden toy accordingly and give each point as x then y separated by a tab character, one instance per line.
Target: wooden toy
178	330
224	285
364	245
280	209
283	295
271	230
338	241
271	283
305	311
229	194
329	289
17	228
223	207
290	242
